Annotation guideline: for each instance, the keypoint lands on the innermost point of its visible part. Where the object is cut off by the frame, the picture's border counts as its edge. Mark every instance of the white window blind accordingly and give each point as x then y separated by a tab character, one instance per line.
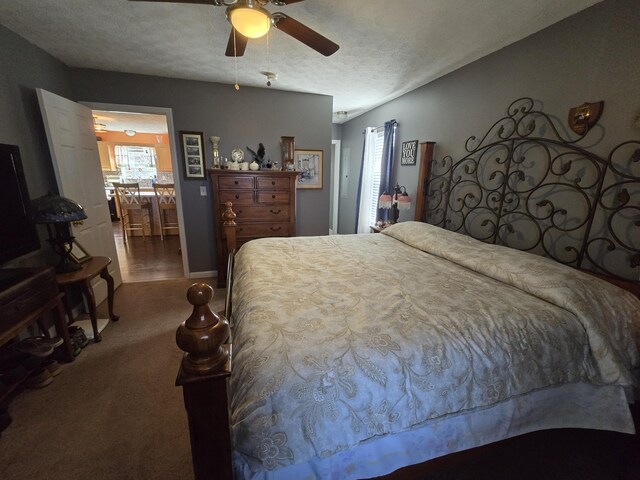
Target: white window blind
377	168
135	156
136	164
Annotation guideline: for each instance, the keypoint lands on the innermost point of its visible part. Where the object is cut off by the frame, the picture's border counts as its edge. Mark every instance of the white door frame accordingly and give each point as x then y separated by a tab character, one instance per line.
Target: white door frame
175	164
335	186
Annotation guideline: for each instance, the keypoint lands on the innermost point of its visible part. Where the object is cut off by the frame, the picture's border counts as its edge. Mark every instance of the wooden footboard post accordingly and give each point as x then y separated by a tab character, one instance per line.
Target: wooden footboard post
203	375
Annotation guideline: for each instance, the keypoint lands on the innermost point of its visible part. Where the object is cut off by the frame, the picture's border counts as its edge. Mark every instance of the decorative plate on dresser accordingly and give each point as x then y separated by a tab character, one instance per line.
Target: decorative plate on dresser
264	202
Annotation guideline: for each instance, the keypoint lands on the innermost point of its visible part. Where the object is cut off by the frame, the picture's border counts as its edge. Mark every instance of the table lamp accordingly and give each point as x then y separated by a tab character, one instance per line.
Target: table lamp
399	201
56	213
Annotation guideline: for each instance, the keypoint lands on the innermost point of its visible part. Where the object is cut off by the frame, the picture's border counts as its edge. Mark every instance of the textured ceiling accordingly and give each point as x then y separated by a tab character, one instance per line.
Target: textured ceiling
140	122
387	47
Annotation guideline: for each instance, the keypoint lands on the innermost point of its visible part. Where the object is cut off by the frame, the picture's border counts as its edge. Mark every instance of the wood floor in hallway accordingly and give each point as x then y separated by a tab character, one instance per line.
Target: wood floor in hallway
145	259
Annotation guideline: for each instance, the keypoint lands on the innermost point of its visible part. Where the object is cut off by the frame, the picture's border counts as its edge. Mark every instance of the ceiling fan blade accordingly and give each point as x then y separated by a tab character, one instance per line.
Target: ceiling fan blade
301	32
199	2
285	2
241	44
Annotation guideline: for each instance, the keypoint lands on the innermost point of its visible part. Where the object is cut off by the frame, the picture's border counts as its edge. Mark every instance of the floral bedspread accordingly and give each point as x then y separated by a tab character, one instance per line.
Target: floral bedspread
339	339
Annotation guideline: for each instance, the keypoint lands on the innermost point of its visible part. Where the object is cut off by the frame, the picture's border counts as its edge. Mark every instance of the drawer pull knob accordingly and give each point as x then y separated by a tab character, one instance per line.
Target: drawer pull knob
275	212
237	196
273	183
275	229
236	182
273	196
240	229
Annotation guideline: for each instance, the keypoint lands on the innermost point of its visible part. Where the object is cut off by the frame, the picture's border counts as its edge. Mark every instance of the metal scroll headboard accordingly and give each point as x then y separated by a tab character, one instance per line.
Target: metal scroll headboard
526	186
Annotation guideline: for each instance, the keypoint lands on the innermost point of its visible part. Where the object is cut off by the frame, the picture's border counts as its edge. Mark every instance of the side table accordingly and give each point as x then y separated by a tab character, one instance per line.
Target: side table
90	269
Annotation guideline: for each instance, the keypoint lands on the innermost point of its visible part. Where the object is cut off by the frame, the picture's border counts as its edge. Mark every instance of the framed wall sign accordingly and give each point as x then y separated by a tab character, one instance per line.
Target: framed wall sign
409	150
308	163
193	155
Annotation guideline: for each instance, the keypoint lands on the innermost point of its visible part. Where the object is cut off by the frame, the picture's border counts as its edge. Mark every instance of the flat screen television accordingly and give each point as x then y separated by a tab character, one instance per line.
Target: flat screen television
18	234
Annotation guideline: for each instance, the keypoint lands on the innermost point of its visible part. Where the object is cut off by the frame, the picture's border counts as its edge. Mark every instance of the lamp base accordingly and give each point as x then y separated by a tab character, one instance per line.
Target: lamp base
67	265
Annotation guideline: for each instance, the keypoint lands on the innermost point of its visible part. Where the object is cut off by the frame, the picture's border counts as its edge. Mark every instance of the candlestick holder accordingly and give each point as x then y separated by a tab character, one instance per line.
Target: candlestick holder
215	140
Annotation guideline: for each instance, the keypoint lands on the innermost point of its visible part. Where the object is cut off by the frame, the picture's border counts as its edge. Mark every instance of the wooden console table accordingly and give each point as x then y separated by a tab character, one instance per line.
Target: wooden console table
90	269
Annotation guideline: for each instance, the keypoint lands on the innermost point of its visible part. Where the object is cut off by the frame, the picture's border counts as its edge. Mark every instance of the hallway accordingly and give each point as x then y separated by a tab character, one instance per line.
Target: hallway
149	258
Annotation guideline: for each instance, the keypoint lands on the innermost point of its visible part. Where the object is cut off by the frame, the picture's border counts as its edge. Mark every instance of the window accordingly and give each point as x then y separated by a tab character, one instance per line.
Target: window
370	182
136	163
129	156
377	169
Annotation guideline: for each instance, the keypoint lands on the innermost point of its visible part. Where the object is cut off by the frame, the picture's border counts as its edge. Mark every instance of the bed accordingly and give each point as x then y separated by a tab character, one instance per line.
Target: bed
357	355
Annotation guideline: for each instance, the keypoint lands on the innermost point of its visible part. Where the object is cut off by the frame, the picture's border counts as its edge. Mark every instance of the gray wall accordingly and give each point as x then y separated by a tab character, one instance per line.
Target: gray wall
241	118
588	57
25	67
336	131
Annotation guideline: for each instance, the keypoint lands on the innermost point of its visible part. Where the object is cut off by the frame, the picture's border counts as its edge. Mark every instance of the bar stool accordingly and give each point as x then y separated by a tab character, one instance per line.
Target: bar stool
166	199
130	200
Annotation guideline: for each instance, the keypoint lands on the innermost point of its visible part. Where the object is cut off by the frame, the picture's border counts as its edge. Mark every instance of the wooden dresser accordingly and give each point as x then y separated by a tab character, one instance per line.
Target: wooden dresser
264	202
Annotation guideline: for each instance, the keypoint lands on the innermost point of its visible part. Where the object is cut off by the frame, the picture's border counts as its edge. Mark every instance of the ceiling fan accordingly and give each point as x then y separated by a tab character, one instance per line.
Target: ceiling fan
250	19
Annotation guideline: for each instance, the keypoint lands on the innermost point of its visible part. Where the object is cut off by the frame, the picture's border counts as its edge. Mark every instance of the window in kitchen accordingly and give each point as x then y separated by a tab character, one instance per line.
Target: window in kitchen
136	164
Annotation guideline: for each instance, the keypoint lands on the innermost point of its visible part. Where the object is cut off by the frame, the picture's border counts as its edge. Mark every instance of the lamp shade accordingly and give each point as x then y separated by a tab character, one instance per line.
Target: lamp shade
56	209
249	20
385	200
404	202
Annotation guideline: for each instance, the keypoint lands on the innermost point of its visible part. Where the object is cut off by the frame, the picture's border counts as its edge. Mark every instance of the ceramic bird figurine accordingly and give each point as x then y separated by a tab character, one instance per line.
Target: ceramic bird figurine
258	156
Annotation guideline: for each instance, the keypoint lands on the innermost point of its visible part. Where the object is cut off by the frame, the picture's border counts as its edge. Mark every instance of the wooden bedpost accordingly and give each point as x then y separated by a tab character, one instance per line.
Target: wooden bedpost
203	375
230	244
229	227
426	157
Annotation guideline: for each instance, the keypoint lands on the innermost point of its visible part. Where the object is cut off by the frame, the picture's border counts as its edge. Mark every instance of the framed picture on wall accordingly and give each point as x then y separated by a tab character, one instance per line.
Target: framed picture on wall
409	150
193	155
309	166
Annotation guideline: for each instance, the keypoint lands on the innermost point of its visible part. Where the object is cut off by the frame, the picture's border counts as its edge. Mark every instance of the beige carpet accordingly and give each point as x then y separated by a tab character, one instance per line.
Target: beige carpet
115	412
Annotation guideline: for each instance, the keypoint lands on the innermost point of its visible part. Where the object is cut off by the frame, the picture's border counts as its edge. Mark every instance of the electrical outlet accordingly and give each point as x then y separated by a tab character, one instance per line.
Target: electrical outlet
203	191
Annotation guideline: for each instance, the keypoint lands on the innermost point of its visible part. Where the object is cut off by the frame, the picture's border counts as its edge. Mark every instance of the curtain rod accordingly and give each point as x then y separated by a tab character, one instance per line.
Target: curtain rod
381	126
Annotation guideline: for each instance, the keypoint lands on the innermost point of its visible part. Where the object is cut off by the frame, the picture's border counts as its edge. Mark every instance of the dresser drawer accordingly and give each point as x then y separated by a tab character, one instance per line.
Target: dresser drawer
274	213
237	197
259	230
273	183
273	197
235	181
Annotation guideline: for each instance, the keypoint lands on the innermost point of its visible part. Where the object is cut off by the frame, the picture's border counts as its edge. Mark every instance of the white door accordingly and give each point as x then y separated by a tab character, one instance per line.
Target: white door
74	151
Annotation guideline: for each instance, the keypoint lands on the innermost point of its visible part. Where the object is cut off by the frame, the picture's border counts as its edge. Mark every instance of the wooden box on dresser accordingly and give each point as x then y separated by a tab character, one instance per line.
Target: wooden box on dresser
264	202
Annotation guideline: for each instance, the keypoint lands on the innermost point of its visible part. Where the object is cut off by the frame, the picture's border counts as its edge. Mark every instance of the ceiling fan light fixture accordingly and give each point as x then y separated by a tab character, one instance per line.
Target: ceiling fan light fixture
249	19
